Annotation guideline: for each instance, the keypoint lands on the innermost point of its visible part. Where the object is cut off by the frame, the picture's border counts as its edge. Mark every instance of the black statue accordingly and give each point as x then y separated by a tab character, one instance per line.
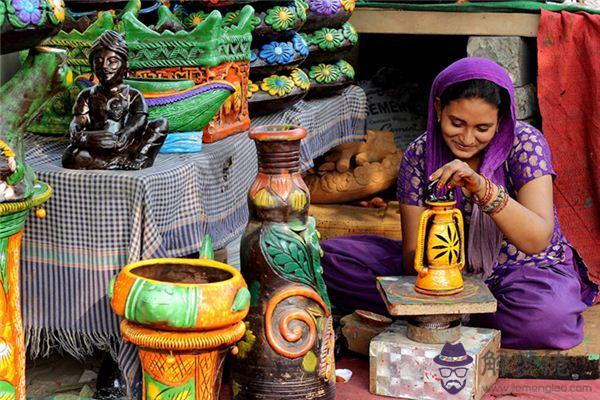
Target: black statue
110	128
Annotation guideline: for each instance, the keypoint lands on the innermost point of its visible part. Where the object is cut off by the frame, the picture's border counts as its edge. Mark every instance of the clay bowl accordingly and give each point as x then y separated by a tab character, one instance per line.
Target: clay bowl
283	53
329	79
372	318
264	98
26	27
180	294
328	44
268	26
328	13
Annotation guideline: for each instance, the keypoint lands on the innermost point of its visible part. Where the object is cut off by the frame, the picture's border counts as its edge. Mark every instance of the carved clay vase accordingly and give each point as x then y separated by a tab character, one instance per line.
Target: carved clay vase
287	352
440	241
12	343
184	315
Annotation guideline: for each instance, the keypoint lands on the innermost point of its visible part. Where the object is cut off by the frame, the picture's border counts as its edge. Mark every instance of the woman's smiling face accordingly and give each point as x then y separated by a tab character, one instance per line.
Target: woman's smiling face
467	125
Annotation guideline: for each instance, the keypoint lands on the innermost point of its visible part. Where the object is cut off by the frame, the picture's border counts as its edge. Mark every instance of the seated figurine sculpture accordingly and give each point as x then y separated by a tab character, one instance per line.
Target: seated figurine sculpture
110	127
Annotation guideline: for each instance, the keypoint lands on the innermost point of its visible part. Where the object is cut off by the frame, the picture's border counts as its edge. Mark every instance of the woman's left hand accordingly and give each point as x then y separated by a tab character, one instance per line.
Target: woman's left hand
458	173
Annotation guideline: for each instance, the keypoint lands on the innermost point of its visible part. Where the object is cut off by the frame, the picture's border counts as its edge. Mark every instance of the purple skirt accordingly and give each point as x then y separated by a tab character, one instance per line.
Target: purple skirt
537	307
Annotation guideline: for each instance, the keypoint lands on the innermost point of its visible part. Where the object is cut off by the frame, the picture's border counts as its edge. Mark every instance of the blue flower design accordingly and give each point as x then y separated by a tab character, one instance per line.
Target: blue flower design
28	11
300	45
277	52
253	56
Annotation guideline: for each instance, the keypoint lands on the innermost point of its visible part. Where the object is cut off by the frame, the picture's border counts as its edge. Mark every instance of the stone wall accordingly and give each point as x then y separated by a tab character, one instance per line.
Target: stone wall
514	54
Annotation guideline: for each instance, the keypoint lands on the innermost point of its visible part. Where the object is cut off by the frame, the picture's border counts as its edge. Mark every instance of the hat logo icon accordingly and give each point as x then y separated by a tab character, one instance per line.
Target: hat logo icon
453	367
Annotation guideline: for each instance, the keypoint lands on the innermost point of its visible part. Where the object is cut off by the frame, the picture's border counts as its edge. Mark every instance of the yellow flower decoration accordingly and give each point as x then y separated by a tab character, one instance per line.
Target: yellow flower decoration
264	199
300	79
252	88
277	85
58	8
348	5
298	200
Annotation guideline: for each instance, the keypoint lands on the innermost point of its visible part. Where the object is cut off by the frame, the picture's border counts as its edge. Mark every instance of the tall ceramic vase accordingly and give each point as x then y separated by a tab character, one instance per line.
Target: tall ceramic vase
287	351
12	343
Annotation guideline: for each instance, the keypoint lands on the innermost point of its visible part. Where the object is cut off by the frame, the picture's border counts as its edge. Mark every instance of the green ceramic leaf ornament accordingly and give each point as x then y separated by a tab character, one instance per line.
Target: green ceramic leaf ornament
241	301
206	249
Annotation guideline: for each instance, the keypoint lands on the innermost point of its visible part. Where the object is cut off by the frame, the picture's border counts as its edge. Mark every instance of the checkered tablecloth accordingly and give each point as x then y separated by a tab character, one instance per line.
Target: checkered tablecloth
98	221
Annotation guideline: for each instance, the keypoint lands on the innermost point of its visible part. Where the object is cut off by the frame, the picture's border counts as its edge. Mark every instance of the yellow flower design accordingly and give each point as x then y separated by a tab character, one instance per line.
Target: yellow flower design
58	8
264	199
298	200
252	88
300	79
5	354
277	85
348	5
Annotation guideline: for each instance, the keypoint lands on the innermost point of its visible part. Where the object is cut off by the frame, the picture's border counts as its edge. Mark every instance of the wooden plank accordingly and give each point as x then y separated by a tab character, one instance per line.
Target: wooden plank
383	20
401	299
342	219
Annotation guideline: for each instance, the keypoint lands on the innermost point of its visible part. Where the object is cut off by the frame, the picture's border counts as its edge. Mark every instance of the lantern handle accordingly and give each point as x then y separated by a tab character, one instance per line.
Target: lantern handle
432	196
421	269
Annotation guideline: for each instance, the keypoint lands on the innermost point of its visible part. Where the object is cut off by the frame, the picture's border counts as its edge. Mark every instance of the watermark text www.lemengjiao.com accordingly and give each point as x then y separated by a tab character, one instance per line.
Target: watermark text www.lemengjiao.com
542	388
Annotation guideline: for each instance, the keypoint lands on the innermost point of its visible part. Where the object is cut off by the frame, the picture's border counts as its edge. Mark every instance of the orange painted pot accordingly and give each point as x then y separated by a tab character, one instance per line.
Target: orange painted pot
184	315
180	294
12	344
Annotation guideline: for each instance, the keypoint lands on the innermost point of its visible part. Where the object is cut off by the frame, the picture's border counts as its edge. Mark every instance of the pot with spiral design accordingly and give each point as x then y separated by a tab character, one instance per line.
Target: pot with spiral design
287	351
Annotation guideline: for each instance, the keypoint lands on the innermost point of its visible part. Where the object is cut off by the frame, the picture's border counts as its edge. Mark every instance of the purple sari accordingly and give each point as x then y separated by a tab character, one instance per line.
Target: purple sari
540	296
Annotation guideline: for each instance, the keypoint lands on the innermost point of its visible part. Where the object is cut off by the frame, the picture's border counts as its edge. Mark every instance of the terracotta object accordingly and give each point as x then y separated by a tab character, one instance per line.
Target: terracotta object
327	13
358	333
210	51
43	74
274	18
337	180
110	127
329	79
287	352
440	252
278	54
327	44
184	315
26	23
277	92
12	341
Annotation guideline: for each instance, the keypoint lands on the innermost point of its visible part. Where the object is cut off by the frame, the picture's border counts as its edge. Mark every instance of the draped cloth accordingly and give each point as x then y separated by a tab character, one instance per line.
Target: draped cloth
569	98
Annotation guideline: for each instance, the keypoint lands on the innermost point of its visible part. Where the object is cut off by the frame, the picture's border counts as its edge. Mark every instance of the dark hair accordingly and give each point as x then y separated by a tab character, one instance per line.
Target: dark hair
478	88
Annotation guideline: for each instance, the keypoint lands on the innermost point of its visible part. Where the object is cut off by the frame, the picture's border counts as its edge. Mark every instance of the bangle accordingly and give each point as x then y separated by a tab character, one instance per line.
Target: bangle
501	206
499	202
488	193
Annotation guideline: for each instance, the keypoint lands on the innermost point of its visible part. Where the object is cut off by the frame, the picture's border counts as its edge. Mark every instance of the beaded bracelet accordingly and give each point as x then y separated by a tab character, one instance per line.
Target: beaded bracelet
501	206
494	205
487	196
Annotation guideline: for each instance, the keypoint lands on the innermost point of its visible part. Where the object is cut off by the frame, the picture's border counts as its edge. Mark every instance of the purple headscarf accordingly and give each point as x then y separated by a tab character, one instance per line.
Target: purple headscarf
484	237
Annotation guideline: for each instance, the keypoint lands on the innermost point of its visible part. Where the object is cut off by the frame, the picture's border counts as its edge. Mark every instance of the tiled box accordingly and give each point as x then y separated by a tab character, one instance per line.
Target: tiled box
400	367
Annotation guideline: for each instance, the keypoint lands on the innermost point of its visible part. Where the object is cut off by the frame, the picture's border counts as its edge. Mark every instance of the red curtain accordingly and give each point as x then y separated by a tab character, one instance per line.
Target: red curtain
569	98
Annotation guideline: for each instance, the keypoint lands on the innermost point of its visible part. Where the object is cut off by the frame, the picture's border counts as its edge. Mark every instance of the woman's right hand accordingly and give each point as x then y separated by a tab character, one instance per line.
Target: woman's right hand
459	173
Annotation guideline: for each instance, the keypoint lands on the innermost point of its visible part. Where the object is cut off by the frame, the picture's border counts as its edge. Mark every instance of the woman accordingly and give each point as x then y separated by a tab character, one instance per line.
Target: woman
502	175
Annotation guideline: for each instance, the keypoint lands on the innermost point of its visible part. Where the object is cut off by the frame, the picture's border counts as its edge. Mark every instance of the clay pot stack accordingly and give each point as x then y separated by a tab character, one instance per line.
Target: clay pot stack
277	51
330	38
